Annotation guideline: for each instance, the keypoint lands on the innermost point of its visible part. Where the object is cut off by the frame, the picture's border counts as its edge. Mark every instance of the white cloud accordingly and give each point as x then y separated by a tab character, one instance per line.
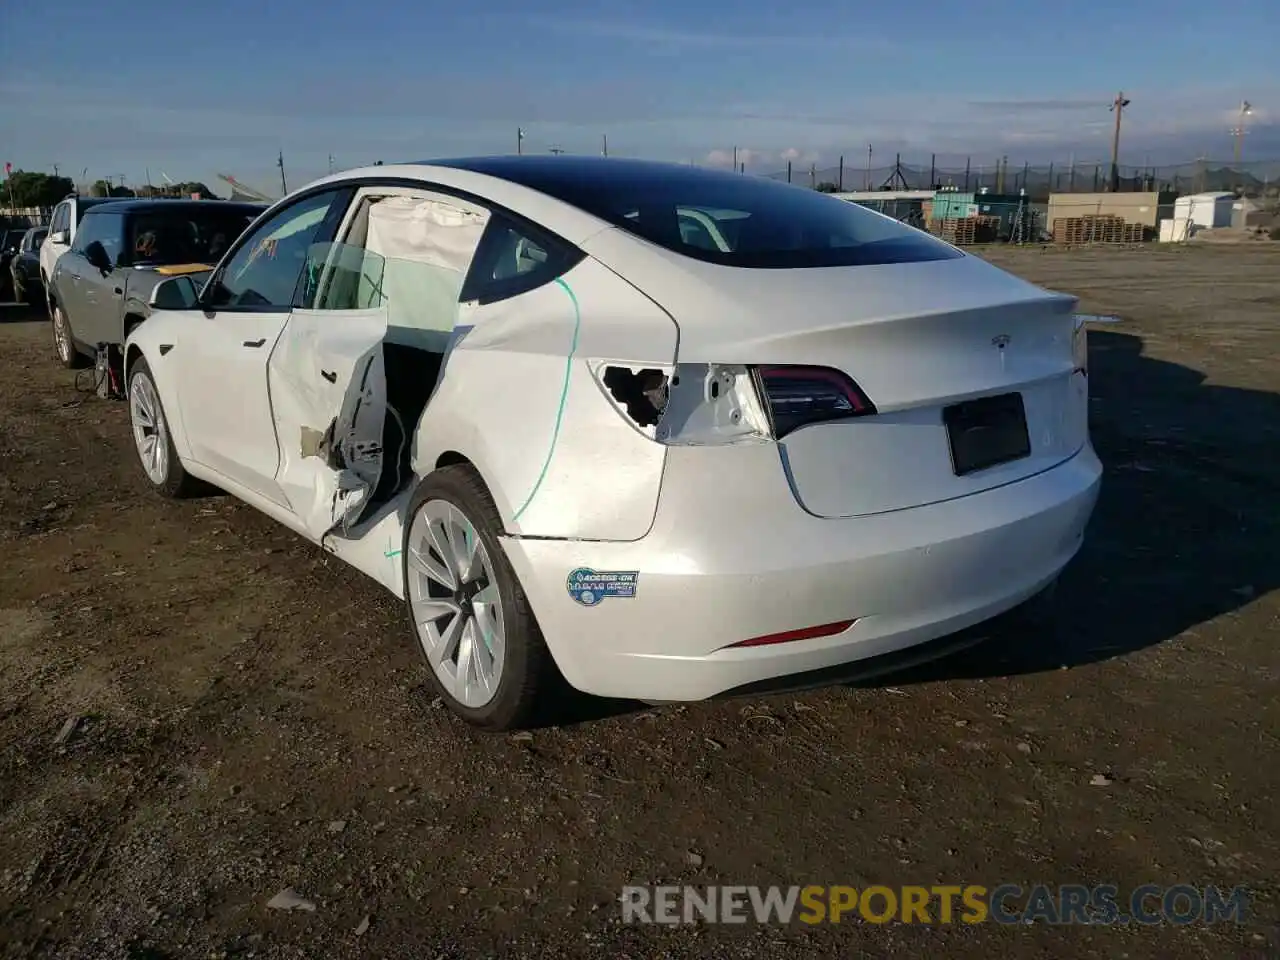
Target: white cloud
744	155
660	36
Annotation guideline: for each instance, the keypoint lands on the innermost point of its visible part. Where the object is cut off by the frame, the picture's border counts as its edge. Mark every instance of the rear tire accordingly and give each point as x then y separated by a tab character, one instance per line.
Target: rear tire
152	439
466	605
64	341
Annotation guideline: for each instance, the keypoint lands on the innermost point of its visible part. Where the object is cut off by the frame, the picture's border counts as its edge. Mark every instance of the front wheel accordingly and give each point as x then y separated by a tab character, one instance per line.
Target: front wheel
468	614
152	439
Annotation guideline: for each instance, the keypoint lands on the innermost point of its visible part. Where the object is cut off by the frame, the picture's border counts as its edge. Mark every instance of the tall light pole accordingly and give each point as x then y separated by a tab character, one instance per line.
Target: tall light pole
1239	130
1117	107
604	145
519	140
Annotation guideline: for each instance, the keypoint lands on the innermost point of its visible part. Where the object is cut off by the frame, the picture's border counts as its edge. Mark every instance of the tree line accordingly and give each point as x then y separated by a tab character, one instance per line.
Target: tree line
25	188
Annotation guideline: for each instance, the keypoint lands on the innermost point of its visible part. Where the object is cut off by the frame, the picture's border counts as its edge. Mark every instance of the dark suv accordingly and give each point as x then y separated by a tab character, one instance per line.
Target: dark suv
101	288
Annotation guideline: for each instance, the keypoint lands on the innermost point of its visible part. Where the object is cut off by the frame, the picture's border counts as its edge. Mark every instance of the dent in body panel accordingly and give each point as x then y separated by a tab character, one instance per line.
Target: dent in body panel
513	371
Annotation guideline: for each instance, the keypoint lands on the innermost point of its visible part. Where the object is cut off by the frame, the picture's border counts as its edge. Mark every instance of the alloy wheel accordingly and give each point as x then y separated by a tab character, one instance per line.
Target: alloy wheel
149	431
61	336
456	603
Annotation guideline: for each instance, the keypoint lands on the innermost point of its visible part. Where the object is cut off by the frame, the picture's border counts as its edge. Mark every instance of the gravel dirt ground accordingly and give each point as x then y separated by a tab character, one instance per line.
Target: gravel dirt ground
199	710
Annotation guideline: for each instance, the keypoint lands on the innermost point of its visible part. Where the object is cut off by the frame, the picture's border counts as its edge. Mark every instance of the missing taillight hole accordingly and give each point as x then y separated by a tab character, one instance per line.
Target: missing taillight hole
642	392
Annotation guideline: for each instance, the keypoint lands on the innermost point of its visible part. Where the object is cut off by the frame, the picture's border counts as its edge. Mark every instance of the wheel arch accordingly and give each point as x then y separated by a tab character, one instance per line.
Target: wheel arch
132	354
165	379
134	315
447	441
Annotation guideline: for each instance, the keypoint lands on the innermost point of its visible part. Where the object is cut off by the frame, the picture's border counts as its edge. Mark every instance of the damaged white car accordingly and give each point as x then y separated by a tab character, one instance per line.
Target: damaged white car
674	432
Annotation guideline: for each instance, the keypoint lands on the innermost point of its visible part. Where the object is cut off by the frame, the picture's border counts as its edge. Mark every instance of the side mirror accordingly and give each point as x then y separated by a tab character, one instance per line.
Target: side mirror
59	236
97	256
174	293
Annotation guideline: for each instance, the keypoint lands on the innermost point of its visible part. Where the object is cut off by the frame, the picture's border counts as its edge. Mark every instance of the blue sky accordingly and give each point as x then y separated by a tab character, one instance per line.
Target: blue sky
120	89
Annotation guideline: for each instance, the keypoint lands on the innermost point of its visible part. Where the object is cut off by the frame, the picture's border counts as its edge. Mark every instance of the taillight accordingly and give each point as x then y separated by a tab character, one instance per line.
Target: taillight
710	403
800	395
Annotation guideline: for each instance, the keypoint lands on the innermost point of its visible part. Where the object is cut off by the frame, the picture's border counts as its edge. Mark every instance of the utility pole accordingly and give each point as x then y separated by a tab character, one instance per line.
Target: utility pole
519	140
331	163
1117	107
284	187
735	159
55	169
1238	131
604	145
867	186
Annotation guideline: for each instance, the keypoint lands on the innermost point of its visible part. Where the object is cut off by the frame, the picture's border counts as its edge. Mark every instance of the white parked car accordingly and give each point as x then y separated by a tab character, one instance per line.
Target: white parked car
677	433
64	223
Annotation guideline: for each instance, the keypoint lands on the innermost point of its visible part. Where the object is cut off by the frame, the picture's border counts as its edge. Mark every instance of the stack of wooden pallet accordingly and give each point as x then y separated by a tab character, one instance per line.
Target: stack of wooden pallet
1097	228
966	230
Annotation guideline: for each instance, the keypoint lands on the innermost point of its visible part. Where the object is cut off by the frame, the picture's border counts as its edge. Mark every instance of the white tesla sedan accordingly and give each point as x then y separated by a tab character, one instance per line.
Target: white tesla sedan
677	433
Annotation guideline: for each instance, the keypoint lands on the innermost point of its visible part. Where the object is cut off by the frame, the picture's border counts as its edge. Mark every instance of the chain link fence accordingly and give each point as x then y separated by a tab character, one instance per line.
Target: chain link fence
1002	176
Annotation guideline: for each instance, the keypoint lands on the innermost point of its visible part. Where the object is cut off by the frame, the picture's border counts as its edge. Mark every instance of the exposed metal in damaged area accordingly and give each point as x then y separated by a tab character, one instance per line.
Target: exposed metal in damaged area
692	404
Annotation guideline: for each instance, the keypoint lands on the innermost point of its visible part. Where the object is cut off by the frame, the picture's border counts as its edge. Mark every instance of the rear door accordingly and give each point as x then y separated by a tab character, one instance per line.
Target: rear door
393	277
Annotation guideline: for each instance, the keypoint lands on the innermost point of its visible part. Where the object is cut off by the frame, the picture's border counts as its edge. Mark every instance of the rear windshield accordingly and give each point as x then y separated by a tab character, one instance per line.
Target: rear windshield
731	219
85	203
192	235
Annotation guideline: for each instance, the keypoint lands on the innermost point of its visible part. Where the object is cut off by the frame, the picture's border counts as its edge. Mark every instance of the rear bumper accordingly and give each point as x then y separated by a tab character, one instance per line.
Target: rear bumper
727	562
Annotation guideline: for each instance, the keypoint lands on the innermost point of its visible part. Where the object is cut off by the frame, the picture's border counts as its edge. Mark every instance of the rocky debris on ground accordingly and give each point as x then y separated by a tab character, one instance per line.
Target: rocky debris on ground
289	899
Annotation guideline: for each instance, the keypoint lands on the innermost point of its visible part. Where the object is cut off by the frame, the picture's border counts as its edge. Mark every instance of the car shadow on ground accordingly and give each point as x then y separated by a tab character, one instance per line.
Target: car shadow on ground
20	312
1185	528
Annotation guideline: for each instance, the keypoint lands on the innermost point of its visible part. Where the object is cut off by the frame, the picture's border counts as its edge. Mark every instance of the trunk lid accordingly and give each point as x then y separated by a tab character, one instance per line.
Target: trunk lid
917	338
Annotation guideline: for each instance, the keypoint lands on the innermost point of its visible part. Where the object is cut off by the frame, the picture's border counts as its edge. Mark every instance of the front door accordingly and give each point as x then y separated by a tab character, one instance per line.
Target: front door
392	282
226	406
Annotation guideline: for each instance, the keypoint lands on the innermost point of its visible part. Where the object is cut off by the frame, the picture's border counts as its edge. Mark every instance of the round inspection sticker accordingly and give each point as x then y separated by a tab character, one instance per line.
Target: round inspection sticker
588	587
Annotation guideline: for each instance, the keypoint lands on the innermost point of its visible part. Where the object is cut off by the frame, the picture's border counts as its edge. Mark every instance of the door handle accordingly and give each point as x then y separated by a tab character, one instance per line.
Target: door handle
332	377
255	343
